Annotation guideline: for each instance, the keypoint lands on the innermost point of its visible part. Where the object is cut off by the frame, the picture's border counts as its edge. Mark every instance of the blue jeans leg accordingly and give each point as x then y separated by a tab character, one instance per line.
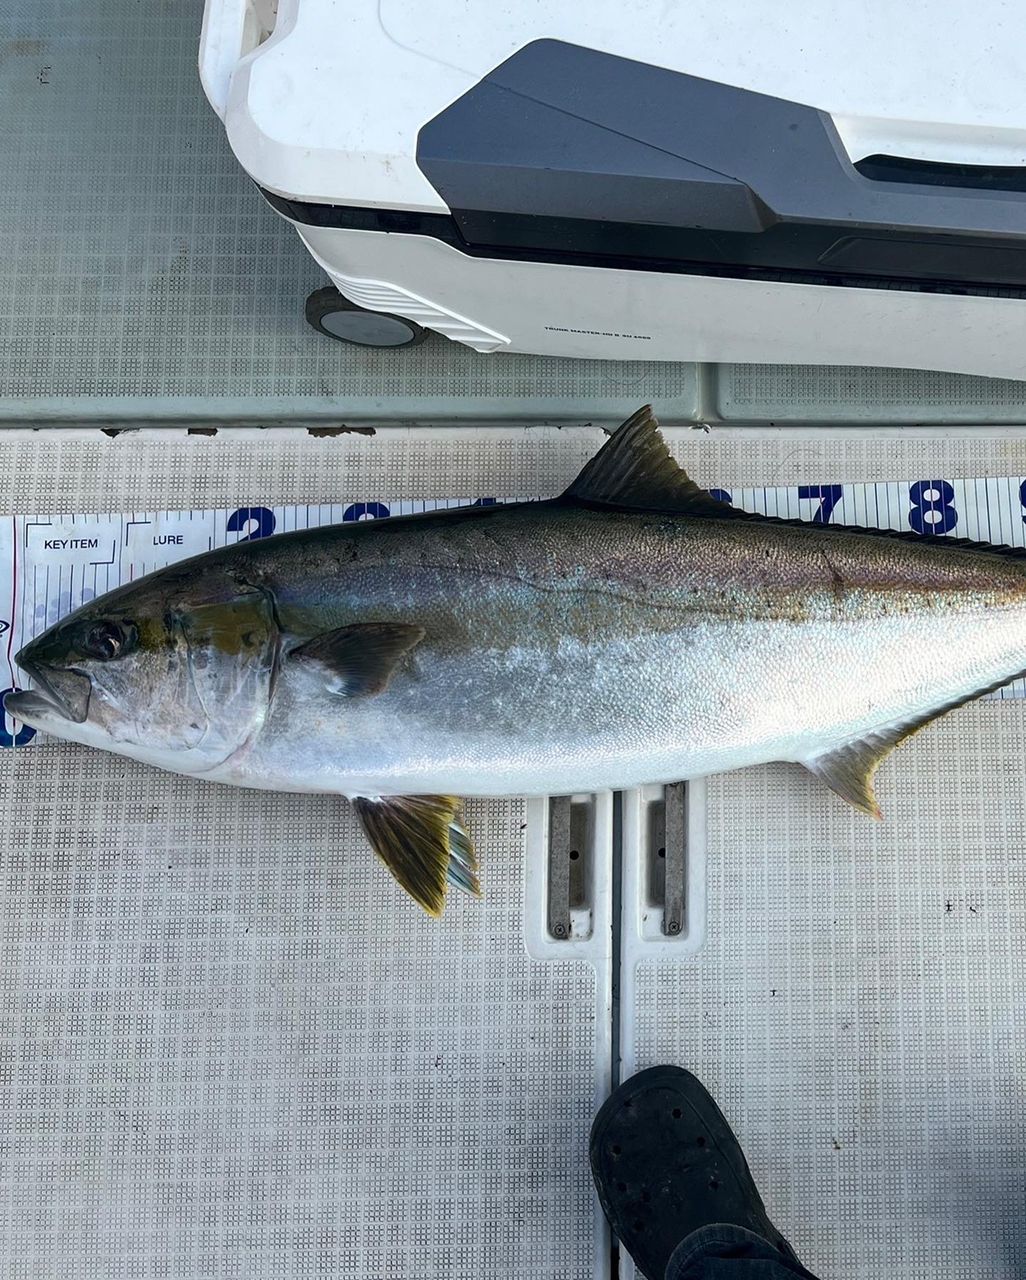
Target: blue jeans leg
724	1252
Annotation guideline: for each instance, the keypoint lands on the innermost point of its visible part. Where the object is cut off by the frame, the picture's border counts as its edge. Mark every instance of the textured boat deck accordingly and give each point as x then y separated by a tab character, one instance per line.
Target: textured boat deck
228	1046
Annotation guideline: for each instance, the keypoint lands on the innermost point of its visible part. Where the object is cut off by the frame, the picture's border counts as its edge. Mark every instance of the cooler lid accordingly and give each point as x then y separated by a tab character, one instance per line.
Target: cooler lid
328	107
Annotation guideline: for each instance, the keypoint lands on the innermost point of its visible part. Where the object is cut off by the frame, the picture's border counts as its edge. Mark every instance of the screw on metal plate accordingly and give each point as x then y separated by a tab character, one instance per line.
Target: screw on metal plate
675	810
667	849
559	866
571	877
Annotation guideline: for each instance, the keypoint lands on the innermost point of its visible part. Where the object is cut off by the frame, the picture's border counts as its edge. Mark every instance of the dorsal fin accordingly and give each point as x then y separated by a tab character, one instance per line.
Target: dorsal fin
634	468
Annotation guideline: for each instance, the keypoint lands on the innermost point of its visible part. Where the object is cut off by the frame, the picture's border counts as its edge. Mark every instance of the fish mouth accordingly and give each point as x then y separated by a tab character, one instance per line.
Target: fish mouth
58	689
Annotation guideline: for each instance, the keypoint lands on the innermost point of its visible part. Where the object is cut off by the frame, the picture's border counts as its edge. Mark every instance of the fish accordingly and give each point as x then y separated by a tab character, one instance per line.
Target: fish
632	630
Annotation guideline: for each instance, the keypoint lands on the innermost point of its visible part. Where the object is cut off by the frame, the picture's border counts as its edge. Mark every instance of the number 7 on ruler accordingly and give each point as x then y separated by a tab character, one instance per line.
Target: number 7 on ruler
829	495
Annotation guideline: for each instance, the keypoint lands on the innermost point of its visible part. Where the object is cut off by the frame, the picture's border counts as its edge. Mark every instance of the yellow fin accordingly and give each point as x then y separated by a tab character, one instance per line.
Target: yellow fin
422	842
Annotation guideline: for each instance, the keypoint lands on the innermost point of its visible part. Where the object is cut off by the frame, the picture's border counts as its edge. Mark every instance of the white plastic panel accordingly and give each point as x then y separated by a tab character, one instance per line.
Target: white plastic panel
599	313
379	295
329	108
824	54
647	932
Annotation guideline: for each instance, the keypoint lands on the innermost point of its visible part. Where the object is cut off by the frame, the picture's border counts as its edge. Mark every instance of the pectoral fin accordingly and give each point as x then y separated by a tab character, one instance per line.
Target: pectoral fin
422	842
362	657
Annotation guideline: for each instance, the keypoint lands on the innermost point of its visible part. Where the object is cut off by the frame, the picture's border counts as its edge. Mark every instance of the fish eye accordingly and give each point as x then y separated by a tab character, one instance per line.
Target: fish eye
107	639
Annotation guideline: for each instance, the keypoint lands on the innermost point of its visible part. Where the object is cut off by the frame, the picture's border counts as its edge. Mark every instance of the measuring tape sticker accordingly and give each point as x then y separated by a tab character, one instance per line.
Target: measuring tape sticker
50	565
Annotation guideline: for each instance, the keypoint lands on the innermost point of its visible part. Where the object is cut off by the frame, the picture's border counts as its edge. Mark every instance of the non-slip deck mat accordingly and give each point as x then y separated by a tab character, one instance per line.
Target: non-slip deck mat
858	1008
229	1045
189	1099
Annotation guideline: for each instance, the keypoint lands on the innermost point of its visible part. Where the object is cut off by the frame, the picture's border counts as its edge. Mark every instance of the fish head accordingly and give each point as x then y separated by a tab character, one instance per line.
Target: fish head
176	669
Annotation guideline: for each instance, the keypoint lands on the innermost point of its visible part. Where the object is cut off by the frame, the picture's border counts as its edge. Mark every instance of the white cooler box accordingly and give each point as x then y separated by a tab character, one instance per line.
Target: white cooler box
814	182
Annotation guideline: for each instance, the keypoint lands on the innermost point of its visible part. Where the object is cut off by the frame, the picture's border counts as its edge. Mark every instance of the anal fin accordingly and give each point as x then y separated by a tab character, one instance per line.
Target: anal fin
422	841
848	770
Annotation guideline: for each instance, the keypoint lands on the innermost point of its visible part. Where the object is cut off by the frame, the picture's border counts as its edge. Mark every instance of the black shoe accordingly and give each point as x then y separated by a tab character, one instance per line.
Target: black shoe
666	1162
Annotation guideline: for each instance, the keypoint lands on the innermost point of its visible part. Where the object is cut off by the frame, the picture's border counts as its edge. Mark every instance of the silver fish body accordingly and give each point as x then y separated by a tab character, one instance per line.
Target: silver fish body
632	631
573	649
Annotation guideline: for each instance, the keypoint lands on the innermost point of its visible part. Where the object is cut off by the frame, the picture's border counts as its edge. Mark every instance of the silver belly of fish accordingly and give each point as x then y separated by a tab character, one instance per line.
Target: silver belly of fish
704	697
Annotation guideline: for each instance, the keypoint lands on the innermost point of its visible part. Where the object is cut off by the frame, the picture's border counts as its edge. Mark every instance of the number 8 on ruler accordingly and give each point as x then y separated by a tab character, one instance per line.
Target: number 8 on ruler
932	507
